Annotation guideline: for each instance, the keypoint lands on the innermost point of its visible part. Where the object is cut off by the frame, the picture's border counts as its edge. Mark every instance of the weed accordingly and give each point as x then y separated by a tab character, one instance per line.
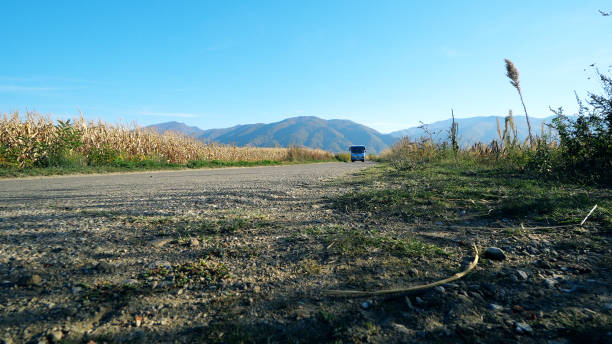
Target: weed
455	192
310	266
200	271
347	241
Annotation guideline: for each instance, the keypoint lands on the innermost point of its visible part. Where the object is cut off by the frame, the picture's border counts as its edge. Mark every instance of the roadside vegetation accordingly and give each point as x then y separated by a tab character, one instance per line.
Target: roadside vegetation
546	202
33	144
573	149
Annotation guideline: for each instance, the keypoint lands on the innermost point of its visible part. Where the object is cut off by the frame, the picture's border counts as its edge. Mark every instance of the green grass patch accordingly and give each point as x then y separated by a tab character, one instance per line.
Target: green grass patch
136	166
454	192
351	242
202	271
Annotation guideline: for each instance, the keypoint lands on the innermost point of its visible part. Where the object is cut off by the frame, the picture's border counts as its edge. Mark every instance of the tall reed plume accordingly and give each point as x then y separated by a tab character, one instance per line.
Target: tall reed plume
513	74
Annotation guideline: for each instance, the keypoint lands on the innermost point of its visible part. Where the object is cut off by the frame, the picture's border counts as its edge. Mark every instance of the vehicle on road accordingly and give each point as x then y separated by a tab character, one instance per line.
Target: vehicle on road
357	153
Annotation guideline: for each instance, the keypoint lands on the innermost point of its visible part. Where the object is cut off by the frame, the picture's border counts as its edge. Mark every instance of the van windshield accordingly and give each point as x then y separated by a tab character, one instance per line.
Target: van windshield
357	149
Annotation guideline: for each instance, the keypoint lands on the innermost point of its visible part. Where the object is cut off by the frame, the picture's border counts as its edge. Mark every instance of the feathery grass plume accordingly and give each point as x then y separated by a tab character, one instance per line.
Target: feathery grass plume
510	130
513	74
453	133
511	125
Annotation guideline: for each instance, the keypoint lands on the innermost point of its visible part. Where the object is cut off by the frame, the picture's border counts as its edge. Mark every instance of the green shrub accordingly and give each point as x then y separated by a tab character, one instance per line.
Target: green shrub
585	142
346	157
61	151
102	156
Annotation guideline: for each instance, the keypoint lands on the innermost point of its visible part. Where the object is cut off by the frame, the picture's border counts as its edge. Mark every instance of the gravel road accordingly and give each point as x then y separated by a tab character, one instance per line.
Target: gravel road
147	188
100	256
244	255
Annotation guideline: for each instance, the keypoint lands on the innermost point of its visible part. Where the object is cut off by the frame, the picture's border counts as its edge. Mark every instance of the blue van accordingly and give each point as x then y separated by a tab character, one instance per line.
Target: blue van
357	153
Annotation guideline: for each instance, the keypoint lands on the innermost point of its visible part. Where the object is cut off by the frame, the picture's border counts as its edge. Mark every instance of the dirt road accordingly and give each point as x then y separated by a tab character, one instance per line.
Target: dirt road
244	255
155	255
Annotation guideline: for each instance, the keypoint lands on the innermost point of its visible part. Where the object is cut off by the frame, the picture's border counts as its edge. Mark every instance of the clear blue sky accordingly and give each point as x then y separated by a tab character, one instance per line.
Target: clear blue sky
385	64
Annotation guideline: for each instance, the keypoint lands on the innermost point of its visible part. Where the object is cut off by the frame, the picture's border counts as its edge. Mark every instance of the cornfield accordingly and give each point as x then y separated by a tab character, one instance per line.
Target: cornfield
27	141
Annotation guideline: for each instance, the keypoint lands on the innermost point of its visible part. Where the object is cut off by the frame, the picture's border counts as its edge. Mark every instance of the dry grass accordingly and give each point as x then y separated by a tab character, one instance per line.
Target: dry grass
29	138
507	146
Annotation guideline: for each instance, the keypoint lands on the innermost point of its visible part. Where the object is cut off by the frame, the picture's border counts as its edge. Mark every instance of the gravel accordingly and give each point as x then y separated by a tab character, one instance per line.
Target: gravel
75	242
228	255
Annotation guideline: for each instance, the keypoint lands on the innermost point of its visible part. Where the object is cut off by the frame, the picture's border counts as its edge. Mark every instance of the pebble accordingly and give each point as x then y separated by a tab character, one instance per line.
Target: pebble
194	242
608	306
366	305
522	327
30	280
549	282
401	328
105	267
542	264
55	336
301	314
522	274
558	341
130	282
257	289
419	301
464	299
494	253
440	289
160	264
408	302
489	288
495	307
166	284
161	242
6	284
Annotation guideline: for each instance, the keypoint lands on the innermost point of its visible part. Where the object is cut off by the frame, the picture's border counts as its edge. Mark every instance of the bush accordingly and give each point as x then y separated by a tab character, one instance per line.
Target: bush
62	150
345	157
106	155
585	142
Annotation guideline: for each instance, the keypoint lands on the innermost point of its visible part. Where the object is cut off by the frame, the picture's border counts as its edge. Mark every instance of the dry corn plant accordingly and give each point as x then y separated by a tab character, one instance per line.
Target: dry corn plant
24	141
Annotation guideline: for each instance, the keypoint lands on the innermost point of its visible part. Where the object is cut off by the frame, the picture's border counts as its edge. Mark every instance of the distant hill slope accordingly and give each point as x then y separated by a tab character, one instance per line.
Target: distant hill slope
178	127
475	129
337	135
332	135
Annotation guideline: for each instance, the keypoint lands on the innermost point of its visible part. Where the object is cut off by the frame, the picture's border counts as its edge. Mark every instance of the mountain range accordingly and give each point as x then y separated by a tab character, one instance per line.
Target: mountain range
475	129
337	135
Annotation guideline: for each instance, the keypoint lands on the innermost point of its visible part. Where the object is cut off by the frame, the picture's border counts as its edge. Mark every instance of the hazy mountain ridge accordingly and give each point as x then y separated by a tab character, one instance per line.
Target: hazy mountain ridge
475	129
336	135
178	127
332	135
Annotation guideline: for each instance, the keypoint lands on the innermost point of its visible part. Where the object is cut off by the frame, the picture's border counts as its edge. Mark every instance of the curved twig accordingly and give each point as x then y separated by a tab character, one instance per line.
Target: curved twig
363	293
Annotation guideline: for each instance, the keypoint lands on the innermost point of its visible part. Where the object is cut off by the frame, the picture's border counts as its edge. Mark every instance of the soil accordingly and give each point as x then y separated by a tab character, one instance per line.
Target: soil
246	255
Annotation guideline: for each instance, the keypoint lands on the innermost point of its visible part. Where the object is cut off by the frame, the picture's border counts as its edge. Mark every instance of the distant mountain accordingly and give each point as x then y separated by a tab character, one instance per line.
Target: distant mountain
178	127
474	129
332	135
337	135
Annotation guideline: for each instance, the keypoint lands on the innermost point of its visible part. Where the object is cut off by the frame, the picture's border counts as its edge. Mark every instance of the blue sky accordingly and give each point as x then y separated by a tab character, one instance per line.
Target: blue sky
385	64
